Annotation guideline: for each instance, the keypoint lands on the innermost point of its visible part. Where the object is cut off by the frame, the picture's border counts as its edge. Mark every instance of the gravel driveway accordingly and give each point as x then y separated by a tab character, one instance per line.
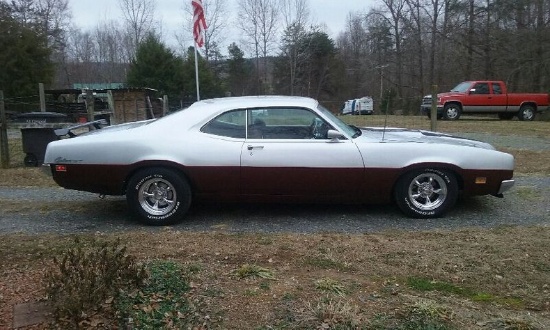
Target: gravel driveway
56	210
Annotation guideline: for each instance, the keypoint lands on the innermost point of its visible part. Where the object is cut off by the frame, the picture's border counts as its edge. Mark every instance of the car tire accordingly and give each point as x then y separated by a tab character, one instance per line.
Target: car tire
30	160
427	193
159	196
451	111
526	113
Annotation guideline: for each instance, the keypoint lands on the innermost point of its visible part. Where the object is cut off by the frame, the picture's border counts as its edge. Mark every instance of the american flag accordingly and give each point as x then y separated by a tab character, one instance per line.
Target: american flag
199	23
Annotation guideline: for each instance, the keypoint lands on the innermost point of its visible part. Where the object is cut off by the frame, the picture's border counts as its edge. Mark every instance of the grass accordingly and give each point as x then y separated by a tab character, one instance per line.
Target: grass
226	280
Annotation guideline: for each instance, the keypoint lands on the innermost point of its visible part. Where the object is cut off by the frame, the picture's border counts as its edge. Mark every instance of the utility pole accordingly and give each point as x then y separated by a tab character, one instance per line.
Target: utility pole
4	149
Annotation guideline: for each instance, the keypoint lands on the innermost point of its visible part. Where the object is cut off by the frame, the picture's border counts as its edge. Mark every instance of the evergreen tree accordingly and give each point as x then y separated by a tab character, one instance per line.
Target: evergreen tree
239	71
157	67
25	57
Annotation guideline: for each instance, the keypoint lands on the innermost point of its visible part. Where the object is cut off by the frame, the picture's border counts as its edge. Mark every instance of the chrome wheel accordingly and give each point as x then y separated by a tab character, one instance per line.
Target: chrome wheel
157	196
526	113
427	191
451	112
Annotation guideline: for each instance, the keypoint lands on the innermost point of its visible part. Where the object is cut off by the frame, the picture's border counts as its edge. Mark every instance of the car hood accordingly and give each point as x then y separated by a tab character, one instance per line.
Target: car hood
403	135
445	94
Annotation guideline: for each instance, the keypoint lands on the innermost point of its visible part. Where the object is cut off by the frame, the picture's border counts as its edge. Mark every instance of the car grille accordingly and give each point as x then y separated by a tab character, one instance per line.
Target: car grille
427	100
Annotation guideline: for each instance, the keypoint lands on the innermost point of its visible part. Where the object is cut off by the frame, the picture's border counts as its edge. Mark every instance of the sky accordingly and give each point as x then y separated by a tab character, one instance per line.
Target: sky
87	14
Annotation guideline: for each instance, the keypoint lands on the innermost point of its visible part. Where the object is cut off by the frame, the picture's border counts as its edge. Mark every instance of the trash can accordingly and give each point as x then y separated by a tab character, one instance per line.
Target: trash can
37	130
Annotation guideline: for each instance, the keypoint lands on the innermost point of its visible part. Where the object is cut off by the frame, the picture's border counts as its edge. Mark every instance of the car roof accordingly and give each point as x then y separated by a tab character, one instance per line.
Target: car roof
240	102
202	111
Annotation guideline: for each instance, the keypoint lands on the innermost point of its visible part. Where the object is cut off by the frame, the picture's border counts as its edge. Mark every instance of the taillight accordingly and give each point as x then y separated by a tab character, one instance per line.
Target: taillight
60	168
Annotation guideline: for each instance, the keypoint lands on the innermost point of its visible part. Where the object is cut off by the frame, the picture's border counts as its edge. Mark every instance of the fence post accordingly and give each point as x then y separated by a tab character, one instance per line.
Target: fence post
4	148
164	105
42	97
433	110
90	104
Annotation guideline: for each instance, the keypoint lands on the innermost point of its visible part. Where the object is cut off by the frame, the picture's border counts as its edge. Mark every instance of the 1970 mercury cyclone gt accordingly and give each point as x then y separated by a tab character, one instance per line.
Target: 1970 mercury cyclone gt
274	148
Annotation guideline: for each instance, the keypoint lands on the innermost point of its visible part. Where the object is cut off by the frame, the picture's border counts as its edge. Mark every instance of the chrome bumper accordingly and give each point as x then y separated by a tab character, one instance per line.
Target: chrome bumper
505	185
46	169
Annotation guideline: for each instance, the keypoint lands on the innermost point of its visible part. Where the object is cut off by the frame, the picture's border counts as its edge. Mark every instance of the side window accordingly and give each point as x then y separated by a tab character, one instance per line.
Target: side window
285	123
481	88
496	88
231	124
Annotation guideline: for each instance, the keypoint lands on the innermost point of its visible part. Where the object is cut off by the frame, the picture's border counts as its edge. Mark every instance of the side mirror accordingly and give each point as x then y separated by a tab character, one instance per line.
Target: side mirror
335	135
472	91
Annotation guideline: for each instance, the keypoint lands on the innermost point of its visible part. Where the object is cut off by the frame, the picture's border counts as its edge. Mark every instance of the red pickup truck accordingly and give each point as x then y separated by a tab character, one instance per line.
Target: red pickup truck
482	97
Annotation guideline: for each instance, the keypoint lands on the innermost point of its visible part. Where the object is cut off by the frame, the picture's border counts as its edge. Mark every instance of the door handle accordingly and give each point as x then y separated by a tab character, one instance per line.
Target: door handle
254	147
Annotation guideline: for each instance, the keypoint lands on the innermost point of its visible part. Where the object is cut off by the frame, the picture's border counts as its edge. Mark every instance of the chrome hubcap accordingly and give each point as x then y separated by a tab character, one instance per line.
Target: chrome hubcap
157	196
427	191
452	113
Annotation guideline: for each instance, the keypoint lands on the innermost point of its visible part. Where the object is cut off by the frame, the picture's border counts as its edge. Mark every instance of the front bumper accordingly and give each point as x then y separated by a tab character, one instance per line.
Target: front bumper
427	108
505	185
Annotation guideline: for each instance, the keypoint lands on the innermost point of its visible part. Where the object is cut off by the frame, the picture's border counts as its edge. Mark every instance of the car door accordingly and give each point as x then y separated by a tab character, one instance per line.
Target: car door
499	101
294	158
479	99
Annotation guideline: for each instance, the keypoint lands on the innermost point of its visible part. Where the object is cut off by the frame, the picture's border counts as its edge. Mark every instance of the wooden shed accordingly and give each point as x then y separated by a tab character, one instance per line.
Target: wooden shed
134	104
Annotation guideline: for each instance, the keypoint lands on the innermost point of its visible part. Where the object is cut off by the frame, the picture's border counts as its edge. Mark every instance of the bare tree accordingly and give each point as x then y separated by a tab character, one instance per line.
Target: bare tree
295	15
258	21
139	16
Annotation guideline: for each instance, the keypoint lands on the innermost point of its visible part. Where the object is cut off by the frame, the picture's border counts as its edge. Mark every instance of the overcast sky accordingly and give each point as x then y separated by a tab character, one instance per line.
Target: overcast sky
87	14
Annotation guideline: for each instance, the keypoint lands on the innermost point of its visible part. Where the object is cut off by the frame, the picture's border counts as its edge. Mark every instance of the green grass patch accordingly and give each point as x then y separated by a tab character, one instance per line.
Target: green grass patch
330	285
160	303
247	270
424	284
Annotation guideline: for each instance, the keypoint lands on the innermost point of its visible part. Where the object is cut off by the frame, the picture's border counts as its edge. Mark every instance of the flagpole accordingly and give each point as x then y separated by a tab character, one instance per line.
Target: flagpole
199	25
197	73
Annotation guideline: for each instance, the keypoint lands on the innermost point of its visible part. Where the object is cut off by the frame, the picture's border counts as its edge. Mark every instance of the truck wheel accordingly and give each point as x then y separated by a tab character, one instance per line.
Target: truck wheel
451	111
427	193
526	112
158	196
505	115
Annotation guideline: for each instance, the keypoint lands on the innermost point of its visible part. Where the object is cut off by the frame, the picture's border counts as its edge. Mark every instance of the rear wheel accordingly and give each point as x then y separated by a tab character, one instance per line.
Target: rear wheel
427	193
158	196
30	160
451	111
527	113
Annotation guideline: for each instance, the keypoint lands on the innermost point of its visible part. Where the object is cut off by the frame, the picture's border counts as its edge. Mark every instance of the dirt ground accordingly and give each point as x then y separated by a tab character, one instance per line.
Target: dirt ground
503	275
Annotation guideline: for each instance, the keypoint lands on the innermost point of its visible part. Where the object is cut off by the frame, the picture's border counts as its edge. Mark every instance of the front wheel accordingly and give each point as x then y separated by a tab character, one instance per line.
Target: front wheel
527	113
158	196
427	193
451	111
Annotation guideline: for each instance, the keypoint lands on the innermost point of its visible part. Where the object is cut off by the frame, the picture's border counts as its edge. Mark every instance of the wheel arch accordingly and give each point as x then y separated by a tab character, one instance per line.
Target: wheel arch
451	168
529	103
176	167
457	102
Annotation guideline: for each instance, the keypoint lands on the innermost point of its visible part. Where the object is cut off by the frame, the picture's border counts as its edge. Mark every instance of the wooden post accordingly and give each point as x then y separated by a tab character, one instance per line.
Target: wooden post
164	105
111	101
4	148
90	104
433	110
42	97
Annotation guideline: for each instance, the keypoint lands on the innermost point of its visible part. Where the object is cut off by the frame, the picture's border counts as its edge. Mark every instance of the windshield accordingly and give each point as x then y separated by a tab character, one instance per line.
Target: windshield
350	130
463	87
